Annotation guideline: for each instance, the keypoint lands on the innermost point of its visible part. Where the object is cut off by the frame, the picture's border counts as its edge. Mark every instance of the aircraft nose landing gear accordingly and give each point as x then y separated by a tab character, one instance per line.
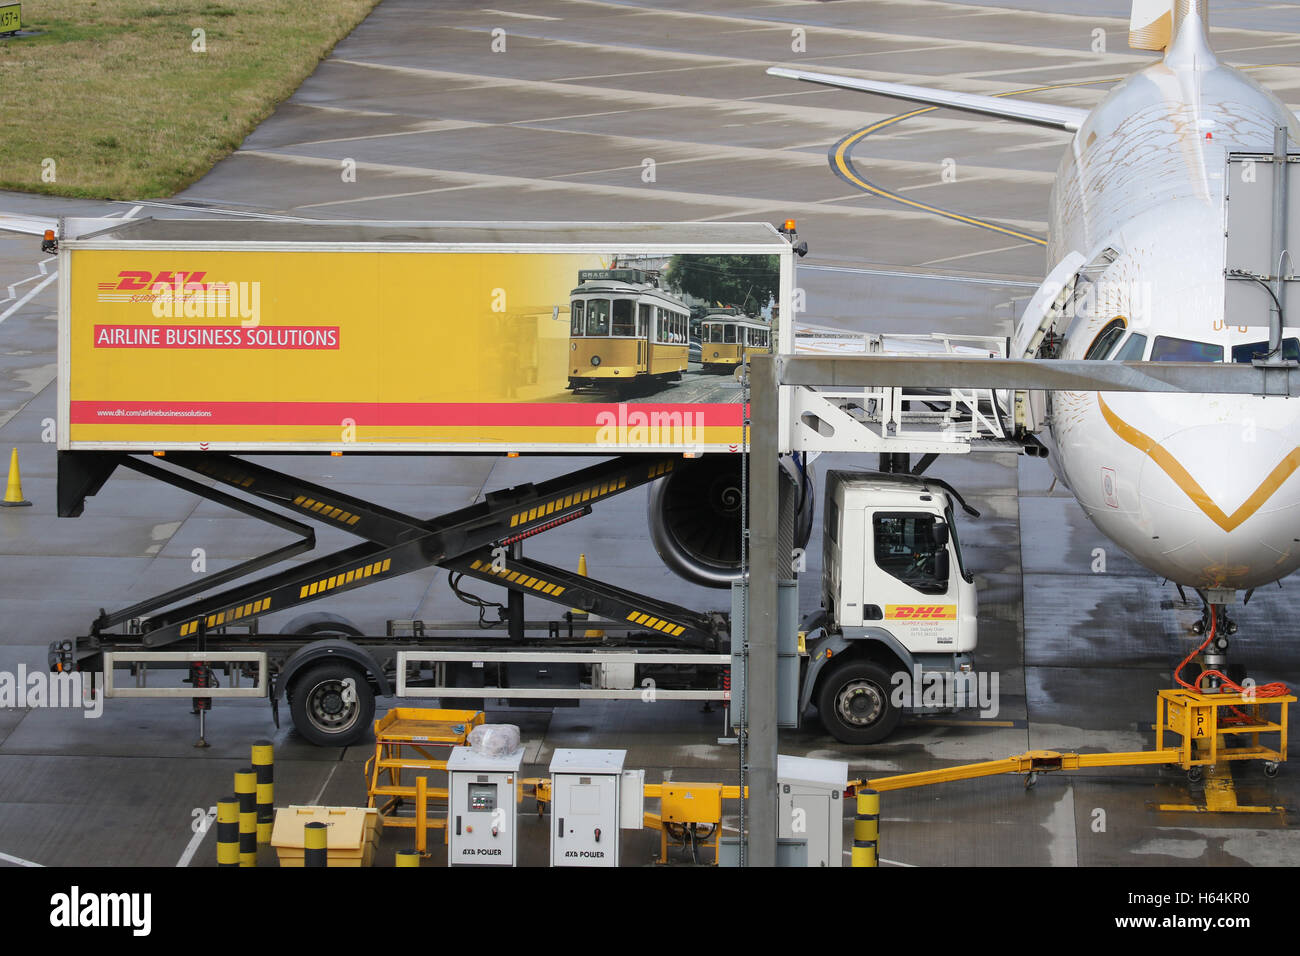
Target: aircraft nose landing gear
1216	674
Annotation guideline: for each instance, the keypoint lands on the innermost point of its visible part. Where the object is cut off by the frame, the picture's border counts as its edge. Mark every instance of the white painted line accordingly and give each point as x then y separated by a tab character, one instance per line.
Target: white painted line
27	298
195	840
522	16
316	801
13	289
938	277
19	861
218	211
130	213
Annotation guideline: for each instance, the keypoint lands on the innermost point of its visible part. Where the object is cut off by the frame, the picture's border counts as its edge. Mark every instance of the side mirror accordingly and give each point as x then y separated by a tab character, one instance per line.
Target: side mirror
940	534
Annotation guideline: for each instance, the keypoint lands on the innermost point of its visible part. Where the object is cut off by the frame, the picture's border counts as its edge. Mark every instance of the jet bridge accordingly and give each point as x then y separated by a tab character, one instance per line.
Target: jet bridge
897	419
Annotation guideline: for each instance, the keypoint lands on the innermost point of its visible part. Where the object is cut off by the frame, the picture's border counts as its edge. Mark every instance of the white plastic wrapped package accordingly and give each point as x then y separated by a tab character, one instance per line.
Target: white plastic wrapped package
494	740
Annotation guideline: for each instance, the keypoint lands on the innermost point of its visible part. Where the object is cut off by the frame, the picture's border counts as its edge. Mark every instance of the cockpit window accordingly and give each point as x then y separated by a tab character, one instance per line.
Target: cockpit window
1133	349
1247	353
1106	339
1169	349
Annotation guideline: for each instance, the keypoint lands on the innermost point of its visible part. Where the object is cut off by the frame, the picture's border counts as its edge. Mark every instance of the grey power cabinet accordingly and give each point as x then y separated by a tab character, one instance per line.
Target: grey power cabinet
585	798
810	806
482	824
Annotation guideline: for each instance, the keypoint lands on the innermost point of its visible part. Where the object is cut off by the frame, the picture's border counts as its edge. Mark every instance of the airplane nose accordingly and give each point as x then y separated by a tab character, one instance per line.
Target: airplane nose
1222	504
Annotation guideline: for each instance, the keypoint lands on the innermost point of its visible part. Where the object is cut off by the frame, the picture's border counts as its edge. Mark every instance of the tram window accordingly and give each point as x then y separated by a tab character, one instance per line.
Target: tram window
729	334
715	333
1169	349
623	323
598	316
1247	353
642	320
575	318
1105	340
660	321
1133	349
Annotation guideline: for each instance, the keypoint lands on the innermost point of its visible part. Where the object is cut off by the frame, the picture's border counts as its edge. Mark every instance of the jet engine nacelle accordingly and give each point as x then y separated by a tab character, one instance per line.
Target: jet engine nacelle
696	521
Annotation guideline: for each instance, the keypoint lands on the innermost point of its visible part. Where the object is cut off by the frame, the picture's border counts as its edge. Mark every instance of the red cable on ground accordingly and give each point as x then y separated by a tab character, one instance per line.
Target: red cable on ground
1274	689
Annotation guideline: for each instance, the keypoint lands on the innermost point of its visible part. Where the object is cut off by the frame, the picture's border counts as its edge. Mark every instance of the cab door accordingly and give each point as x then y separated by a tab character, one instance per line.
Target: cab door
911	581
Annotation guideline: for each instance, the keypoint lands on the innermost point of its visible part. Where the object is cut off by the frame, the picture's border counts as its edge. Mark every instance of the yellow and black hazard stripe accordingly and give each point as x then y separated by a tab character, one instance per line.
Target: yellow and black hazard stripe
347	577
658	624
518	578
594	492
323	510
228	616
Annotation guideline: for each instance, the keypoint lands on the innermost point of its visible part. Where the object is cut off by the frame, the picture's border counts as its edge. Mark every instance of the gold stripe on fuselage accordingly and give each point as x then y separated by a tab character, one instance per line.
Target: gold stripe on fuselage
1183	479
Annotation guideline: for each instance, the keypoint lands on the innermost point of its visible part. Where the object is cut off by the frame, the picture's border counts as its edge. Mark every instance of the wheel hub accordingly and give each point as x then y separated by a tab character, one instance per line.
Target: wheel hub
328	707
860	703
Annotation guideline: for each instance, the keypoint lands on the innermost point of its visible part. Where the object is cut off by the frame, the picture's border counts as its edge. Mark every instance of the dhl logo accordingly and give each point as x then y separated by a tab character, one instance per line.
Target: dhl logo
144	281
921	612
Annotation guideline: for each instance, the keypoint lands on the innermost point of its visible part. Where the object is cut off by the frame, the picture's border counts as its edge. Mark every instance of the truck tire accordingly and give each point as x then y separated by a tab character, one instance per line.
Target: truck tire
854	703
322	713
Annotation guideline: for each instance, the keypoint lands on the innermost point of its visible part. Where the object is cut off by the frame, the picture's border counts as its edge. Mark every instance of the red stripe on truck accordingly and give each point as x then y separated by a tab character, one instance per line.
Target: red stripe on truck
375	413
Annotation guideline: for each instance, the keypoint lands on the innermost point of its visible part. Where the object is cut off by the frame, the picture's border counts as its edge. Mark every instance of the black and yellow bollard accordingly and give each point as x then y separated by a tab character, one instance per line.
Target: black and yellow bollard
407	858
866	829
315	844
228	831
246	790
264	765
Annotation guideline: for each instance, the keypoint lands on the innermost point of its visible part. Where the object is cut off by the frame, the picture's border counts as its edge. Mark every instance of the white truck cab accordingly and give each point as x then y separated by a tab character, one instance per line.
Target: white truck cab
897	600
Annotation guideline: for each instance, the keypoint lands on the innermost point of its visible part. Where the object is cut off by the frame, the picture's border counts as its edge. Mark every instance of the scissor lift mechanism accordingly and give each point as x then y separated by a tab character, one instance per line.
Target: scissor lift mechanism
481	541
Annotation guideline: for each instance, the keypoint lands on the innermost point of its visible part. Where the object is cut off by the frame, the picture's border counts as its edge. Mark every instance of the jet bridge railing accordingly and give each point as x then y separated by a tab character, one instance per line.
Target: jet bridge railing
885	419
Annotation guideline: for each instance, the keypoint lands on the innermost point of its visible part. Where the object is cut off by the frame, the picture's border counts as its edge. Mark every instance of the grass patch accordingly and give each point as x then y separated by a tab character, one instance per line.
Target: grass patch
113	93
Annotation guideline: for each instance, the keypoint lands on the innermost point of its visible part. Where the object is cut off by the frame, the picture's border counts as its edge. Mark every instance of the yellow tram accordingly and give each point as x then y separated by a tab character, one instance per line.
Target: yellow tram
624	330
728	335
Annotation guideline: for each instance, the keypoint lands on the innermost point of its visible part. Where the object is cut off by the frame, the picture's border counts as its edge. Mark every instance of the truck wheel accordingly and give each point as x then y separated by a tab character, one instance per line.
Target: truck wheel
332	704
854	703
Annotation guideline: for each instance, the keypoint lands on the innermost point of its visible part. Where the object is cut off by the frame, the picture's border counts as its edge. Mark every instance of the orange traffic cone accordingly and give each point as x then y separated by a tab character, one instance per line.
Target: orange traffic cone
582	569
577	612
14	490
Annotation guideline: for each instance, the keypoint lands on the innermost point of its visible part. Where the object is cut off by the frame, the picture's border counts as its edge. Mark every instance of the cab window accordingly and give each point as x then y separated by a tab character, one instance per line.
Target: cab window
1169	349
729	334
905	549
642	320
576	318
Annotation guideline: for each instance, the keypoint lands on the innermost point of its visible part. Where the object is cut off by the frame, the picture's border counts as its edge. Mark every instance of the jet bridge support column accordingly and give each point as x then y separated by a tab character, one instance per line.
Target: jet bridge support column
760	701
1276	314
